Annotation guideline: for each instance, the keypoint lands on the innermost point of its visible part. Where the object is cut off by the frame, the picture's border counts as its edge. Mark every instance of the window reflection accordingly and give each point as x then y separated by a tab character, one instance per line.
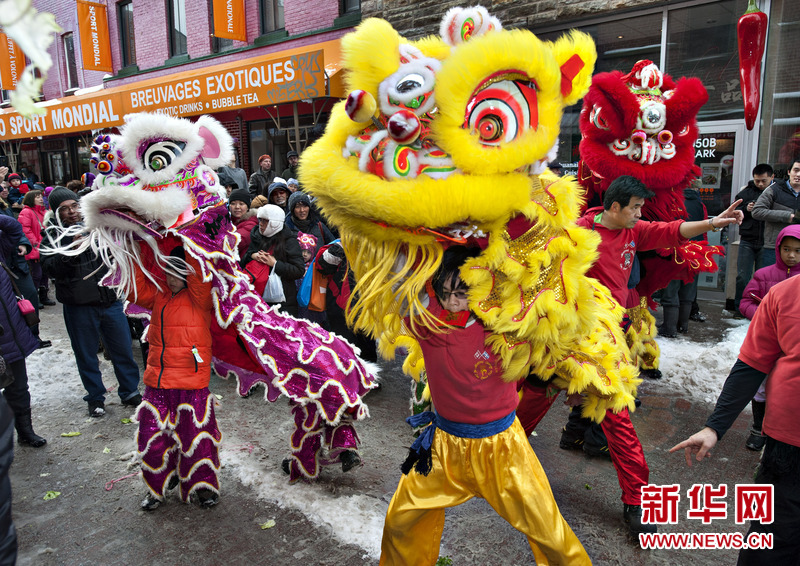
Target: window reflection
702	43
620	44
780	112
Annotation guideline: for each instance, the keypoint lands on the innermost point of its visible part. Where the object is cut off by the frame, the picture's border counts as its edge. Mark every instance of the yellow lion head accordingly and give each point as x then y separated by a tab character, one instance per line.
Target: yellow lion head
446	140
443	131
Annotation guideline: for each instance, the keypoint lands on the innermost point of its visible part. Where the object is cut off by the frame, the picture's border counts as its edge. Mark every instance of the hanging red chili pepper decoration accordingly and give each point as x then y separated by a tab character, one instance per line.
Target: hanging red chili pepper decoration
752	32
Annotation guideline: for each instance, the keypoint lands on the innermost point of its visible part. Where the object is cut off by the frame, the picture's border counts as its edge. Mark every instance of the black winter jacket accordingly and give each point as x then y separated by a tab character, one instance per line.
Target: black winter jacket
289	265
260	182
69	273
751	230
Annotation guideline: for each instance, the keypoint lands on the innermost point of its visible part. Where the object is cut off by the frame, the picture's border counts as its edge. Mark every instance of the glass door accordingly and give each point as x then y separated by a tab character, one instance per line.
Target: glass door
720	154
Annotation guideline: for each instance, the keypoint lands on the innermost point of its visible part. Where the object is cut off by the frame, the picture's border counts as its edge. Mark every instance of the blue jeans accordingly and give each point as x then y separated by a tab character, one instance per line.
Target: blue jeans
769	256
85	325
750	255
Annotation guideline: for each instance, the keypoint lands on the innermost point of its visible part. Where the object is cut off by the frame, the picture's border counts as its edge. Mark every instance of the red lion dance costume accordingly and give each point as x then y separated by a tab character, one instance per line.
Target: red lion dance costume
644	124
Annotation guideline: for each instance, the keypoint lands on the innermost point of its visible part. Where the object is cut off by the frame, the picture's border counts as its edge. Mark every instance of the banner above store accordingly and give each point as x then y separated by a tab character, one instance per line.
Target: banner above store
261	81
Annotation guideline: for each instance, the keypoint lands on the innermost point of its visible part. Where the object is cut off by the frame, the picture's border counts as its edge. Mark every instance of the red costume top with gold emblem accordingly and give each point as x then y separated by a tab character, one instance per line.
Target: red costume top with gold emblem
464	375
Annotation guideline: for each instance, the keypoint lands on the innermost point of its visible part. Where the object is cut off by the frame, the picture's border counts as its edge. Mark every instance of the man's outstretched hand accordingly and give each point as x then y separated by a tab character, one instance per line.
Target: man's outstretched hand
699	443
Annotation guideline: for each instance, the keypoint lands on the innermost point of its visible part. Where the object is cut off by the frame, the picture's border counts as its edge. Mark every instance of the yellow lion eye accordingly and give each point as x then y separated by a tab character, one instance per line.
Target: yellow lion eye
503	111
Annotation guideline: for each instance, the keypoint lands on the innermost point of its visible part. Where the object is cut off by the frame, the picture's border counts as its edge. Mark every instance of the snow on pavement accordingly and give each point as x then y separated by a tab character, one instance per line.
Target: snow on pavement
699	369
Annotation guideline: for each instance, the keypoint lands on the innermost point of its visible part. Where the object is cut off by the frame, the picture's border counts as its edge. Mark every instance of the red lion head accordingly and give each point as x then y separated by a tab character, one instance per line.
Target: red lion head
642	124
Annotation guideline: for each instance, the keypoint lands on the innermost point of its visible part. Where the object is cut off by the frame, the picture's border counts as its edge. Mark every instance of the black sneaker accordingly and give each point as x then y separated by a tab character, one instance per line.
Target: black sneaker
134	401
632	515
650	373
698	316
755	441
173	482
592	450
207	498
570	440
150	502
285	466
44	344
97	409
349	459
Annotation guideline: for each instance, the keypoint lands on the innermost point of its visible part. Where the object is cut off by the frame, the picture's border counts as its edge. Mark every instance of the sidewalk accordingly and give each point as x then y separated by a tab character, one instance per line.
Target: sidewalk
338	520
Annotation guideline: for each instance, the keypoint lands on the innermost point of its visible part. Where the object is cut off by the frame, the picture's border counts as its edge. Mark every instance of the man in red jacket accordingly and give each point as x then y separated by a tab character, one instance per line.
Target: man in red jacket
622	234
771	349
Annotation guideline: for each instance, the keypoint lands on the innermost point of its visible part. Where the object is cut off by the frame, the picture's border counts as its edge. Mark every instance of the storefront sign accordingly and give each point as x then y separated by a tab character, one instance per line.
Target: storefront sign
229	21
257	82
12	62
93	28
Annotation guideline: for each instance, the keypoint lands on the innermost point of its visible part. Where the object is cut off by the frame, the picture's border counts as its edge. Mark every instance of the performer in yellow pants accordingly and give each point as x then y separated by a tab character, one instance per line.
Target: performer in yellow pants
504	471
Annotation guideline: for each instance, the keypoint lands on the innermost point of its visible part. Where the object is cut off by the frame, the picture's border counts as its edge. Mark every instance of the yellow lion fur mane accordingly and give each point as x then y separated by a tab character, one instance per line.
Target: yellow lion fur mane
530	290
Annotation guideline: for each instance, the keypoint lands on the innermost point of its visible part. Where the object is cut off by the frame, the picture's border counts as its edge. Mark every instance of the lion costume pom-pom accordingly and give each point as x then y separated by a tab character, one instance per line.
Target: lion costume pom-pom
444	141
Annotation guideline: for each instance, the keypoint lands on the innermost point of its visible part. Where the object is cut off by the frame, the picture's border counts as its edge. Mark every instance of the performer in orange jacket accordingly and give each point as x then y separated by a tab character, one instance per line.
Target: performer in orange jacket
178	438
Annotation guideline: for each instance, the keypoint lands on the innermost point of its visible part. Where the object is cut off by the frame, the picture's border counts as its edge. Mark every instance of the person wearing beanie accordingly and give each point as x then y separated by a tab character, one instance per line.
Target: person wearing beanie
291	171
16	191
293	184
263	178
91	310
58	196
244	219
278	194
273	244
303	218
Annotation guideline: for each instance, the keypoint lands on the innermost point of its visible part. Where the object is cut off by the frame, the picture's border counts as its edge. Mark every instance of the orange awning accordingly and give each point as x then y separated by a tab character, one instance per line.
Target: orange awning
277	78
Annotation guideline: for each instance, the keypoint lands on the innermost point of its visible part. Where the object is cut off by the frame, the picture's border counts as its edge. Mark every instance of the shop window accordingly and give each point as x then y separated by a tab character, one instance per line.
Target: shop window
349	7
701	42
221	44
271	16
176	10
780	112
70	66
127	38
620	44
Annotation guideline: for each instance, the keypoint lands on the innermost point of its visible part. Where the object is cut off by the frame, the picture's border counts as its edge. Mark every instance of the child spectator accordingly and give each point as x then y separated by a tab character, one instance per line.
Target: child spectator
308	247
178	438
787	264
475	446
16	191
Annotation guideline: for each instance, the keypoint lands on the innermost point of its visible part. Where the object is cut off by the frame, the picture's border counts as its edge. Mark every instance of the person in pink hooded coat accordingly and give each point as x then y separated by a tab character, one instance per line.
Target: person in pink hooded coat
787	264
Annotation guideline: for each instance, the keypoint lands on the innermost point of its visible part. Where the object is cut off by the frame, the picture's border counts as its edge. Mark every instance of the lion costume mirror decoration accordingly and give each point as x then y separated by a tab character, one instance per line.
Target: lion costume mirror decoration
158	189
444	140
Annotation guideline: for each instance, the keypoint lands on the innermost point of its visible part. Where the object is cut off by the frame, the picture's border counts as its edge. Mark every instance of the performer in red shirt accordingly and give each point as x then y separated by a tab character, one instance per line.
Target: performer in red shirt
623	233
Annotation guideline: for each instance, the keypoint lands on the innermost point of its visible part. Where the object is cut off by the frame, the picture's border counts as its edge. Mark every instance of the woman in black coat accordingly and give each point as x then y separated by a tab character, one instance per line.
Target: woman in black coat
16	343
272	243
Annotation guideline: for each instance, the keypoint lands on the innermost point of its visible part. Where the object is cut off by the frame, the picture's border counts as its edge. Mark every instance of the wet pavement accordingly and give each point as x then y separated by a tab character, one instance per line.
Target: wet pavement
91	524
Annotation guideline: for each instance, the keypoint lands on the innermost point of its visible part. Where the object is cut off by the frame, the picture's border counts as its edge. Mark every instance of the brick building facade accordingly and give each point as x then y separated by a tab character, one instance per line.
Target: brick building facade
273	27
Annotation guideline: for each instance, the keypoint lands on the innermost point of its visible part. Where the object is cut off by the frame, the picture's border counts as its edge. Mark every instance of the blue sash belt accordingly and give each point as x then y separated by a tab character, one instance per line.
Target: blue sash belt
419	456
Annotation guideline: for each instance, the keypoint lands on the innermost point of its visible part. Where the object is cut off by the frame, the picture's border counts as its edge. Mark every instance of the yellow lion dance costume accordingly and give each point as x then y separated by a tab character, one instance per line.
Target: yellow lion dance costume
445	140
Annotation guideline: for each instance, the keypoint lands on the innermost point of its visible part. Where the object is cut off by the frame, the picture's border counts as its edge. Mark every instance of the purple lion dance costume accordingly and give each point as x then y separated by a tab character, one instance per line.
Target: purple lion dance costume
158	183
